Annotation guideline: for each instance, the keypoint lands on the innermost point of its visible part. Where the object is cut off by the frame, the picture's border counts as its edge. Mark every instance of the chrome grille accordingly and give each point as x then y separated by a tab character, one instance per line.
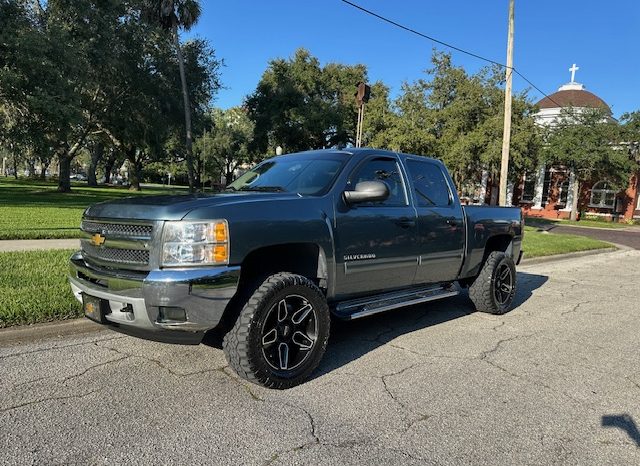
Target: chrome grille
119	245
117	229
118	256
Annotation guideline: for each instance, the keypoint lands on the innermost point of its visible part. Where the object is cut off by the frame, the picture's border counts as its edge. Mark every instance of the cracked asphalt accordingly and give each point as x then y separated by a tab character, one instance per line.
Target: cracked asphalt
555	381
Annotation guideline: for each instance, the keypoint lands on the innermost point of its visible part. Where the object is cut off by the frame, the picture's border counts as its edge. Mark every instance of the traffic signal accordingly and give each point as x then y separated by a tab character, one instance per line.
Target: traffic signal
363	93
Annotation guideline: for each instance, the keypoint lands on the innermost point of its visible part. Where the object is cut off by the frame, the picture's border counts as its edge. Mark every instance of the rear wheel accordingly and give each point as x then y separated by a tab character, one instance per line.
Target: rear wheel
495	287
281	333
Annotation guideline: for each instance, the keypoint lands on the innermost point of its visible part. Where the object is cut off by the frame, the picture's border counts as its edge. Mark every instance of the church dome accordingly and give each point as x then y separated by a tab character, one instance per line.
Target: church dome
573	95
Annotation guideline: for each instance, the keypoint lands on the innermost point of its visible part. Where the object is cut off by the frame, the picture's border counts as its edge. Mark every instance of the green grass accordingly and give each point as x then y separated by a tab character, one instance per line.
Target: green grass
537	243
580	223
34	210
34	288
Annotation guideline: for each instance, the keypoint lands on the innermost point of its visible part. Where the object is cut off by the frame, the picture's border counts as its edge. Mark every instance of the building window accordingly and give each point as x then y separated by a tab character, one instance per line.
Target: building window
546	187
529	188
563	193
602	195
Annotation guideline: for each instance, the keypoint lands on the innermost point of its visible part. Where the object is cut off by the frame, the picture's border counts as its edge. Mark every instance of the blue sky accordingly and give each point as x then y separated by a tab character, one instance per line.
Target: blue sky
601	37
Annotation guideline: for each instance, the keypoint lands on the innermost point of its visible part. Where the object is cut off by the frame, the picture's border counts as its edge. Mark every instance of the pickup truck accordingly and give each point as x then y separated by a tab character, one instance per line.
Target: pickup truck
295	240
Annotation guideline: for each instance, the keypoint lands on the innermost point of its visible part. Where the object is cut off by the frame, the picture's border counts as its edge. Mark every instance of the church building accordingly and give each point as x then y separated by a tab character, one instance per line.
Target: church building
548	191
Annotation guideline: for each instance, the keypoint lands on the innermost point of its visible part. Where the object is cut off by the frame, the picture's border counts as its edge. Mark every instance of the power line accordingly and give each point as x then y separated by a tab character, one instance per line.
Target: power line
453	47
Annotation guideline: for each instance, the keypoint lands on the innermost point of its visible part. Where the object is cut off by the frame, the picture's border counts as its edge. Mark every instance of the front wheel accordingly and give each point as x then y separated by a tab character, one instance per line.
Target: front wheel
495	287
281	333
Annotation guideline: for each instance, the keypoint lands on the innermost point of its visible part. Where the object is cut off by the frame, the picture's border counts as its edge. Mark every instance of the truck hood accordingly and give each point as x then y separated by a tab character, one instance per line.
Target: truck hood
175	207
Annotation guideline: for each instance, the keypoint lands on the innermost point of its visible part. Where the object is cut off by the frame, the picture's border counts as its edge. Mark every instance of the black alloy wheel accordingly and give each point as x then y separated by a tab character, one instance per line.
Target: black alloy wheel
289	333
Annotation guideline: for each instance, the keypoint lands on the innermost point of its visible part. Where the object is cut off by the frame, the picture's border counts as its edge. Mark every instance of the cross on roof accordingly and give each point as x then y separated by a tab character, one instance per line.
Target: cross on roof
573	70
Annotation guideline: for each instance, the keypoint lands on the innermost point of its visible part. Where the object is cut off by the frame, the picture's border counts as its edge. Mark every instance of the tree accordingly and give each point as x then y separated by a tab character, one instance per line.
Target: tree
301	105
227	146
457	118
588	143
174	15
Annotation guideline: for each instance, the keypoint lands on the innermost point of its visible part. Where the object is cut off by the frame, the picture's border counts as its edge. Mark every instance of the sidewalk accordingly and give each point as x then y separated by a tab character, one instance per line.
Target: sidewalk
38	244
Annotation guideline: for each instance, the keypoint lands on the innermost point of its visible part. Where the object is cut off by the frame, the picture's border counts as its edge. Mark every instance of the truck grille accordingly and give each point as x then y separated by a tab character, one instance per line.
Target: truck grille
123	245
120	256
118	229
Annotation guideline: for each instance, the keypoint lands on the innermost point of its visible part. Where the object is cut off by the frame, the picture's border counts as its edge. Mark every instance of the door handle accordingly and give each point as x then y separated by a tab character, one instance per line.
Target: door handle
451	221
406	222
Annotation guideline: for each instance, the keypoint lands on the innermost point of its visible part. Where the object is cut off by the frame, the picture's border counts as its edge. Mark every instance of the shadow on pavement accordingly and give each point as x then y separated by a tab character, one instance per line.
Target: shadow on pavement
351	340
625	423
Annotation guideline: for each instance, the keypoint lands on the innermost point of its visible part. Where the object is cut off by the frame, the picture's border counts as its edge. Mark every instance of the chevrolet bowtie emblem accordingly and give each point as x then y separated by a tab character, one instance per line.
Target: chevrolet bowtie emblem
97	239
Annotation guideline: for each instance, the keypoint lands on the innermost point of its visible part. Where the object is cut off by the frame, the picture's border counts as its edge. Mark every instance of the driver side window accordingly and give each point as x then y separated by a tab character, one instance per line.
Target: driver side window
387	171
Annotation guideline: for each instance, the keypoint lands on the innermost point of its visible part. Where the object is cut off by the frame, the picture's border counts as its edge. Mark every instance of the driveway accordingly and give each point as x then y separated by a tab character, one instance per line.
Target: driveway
555	381
629	236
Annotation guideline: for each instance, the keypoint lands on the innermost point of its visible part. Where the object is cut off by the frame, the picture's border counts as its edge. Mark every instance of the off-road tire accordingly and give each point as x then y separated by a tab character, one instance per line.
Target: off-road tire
483	290
243	344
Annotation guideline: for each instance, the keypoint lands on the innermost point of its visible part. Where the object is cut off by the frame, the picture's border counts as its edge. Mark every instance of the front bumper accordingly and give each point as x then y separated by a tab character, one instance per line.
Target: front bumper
136	298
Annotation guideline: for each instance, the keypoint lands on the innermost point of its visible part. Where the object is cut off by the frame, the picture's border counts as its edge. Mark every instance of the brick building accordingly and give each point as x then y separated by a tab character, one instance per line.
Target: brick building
548	191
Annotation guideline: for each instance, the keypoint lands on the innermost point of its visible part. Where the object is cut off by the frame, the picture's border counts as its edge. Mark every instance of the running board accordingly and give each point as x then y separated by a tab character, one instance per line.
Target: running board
356	308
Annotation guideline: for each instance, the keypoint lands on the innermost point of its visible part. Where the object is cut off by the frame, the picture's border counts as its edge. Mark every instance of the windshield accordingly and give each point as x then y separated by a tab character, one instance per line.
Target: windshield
296	175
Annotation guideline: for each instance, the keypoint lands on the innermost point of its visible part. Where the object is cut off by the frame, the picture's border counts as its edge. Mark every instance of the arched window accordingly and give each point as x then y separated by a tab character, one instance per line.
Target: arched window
603	195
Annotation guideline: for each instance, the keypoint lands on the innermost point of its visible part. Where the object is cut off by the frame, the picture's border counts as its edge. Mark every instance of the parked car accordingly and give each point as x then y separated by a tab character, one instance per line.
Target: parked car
293	241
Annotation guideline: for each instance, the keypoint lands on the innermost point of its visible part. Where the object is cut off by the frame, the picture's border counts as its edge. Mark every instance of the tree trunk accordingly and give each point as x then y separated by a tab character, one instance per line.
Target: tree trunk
575	203
15	166
108	166
31	166
187	112
64	172
96	157
43	170
134	170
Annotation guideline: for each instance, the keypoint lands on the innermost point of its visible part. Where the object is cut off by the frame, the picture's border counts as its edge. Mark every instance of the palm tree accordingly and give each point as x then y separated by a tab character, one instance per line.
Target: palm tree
173	15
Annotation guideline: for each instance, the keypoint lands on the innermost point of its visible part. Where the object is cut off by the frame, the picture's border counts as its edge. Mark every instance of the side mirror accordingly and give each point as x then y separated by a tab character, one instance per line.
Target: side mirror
367	191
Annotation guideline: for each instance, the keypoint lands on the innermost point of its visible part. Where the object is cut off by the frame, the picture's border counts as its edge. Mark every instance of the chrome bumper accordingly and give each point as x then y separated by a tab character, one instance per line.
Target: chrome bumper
135	298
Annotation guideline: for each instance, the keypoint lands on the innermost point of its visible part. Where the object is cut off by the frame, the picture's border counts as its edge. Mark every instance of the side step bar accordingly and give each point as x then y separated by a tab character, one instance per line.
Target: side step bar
356	308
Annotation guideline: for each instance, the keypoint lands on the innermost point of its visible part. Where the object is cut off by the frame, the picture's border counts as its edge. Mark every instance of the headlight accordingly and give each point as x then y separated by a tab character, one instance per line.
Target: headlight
195	243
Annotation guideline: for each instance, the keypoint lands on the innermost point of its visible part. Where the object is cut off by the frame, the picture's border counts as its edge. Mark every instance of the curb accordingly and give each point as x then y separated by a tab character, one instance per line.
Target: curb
49	330
571	255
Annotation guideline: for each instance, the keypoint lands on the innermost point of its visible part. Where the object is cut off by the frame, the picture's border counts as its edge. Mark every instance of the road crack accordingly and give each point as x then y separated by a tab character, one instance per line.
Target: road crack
51	398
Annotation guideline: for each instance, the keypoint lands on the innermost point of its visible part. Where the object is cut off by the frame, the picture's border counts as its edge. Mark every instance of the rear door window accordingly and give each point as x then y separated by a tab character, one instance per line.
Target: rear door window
430	186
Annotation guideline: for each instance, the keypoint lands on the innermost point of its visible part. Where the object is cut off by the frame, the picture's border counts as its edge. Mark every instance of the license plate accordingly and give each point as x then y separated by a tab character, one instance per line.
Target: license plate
93	308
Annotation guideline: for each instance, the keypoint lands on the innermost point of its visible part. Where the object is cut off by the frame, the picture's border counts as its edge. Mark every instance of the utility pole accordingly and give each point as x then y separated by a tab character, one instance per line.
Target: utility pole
506	134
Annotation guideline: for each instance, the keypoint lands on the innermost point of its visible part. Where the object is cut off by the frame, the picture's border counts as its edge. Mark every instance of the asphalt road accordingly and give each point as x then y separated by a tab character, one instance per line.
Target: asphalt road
629	236
555	381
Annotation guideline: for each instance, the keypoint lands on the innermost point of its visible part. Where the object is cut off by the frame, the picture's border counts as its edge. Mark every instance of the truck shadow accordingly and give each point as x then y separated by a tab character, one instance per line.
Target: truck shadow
351	340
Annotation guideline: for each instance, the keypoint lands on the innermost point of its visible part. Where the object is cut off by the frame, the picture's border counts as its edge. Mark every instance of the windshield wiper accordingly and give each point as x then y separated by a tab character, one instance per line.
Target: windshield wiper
273	189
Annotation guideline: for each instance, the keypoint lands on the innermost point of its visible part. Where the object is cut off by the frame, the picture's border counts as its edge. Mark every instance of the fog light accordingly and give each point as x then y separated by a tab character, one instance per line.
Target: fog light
172	314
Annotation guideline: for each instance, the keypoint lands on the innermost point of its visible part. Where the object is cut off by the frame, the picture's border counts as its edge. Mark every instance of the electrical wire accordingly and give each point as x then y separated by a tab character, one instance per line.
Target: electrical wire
445	44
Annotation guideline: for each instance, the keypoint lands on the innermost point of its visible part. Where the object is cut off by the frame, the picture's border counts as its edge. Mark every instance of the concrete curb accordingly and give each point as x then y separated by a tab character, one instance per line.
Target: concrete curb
571	255
29	333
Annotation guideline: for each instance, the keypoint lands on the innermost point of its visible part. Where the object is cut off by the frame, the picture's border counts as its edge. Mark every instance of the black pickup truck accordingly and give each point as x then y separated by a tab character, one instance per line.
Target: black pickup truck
293	241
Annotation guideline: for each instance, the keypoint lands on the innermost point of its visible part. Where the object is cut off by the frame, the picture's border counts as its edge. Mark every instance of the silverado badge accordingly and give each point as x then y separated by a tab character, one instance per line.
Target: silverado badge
97	239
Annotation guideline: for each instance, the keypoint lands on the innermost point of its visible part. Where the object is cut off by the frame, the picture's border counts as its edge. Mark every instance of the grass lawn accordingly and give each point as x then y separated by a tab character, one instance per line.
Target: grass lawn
34	288
581	223
537	243
34	210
